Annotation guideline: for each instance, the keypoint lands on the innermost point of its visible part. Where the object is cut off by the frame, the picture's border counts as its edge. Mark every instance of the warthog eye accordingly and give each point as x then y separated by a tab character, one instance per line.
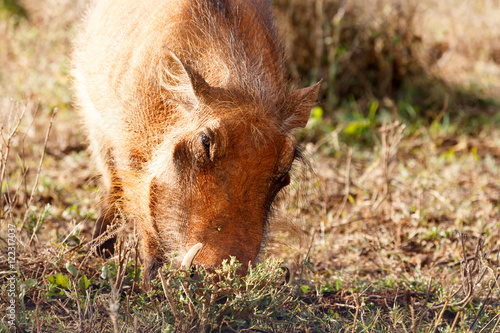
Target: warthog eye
205	141
278	184
285	181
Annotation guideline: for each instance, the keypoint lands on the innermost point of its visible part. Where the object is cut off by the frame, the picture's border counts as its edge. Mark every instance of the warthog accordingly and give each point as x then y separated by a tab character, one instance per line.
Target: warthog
186	107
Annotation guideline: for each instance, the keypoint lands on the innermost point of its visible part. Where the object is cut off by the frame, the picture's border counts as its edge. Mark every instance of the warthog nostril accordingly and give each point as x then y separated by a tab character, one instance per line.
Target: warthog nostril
188	259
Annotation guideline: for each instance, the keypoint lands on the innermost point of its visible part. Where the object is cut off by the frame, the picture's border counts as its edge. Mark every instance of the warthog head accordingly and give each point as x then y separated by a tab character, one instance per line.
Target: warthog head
214	181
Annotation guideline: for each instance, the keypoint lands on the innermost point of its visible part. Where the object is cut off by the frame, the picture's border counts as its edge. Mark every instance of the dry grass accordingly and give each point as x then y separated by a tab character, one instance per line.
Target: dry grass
463	42
426	53
399	222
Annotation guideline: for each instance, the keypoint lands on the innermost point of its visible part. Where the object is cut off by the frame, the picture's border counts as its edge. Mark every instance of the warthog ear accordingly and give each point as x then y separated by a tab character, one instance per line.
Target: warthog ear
299	105
180	82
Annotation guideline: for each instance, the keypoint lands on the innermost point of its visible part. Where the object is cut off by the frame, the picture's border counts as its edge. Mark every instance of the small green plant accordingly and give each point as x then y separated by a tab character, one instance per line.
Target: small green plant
223	298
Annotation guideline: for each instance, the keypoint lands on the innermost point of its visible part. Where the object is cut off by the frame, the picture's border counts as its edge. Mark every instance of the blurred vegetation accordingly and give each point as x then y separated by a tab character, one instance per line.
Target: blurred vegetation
13	7
373	52
359	54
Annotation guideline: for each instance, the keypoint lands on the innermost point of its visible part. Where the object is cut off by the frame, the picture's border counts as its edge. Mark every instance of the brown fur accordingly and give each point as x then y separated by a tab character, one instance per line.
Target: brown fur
188	116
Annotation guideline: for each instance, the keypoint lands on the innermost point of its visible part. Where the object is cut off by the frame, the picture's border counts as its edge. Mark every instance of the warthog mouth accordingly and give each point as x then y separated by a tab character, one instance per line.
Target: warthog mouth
188	259
191	253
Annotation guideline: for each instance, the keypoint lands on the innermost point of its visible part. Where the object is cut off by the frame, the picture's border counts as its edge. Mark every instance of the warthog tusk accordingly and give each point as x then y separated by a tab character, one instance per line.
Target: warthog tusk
289	273
188	259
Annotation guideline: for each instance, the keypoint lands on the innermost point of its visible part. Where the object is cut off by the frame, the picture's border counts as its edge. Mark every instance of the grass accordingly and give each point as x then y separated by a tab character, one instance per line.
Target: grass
394	227
424	57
